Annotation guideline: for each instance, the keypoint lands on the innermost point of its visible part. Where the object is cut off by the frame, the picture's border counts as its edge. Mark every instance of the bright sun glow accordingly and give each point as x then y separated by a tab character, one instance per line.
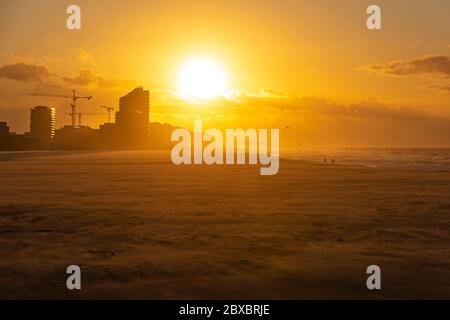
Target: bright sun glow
201	79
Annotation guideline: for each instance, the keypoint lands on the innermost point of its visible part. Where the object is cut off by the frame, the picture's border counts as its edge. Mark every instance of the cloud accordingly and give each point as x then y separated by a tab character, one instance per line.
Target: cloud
268	103
314	106
37	74
25	72
289	106
442	88
87	78
79	58
83	55
437	66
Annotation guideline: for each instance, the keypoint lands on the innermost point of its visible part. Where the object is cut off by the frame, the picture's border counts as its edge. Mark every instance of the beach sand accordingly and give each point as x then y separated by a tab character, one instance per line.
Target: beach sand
141	227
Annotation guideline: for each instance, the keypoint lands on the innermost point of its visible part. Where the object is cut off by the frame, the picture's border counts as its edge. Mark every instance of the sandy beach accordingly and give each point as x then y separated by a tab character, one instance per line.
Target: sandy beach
141	227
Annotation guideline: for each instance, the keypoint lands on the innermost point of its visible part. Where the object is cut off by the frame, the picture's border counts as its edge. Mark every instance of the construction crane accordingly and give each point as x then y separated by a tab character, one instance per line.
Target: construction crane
74	98
80	114
109	109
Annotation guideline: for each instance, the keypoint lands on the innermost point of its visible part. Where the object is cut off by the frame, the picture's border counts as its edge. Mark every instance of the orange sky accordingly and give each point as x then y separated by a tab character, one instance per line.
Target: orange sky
309	65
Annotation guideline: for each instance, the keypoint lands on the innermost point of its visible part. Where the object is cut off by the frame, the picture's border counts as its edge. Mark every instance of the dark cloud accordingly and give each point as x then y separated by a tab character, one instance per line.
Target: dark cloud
313	106
269	102
83	78
86	78
372	109
30	73
442	88
24	72
436	66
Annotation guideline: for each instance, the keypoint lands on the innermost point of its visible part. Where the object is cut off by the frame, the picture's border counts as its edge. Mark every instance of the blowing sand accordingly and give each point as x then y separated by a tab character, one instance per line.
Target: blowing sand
140	227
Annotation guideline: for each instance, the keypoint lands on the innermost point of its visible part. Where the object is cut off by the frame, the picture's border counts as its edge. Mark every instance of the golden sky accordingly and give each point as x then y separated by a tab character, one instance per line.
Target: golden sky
312	66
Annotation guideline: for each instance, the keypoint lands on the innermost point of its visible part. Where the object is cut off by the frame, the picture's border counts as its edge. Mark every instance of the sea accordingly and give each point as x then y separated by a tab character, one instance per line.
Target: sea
378	157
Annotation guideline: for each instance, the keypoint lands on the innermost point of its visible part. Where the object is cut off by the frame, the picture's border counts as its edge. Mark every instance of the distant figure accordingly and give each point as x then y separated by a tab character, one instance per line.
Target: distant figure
324	160
332	161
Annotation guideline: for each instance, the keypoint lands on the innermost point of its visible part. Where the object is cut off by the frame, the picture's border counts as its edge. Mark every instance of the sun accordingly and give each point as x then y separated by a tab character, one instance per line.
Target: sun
201	79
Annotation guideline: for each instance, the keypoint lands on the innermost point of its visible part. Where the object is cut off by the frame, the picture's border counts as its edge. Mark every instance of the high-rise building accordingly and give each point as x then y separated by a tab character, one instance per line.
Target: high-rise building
107	136
10	141
4	134
79	138
42	125
4	129
132	119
